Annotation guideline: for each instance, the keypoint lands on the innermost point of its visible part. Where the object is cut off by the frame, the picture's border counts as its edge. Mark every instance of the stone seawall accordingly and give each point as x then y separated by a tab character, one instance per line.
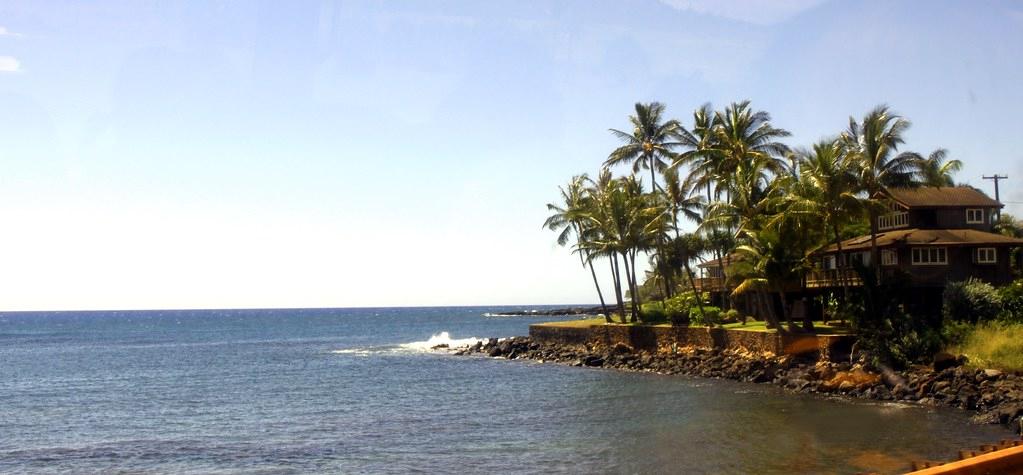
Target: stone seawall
668	339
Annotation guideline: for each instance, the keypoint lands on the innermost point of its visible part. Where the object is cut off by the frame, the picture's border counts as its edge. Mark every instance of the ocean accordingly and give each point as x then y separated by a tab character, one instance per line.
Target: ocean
360	391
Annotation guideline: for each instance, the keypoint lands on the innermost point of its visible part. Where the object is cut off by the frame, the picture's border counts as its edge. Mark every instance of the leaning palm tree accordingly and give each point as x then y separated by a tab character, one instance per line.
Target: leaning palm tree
569	219
650	144
936	171
873	145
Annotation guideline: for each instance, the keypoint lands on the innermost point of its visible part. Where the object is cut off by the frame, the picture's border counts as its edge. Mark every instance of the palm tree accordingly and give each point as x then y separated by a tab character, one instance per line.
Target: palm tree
703	156
685	249
745	137
569	219
650	144
935	171
826	190
599	228
872	145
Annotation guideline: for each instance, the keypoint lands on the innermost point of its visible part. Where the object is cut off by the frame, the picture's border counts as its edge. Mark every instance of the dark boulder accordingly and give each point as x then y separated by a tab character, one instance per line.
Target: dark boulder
943	361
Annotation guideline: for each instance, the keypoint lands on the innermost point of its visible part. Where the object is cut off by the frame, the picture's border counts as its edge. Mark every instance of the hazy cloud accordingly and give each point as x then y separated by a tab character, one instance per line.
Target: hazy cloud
8	64
760	12
5	32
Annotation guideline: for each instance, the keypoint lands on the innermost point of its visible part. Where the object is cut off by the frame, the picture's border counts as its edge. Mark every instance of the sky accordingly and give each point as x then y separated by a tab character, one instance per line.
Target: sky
367	153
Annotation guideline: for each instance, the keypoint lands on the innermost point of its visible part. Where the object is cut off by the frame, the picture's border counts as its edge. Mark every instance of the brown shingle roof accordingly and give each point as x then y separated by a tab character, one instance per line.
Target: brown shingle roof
926	237
931	197
729	260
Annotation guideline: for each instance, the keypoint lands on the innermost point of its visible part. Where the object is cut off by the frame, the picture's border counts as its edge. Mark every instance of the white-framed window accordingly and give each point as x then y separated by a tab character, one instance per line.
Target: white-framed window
889	257
986	255
896	219
829	262
929	256
975	215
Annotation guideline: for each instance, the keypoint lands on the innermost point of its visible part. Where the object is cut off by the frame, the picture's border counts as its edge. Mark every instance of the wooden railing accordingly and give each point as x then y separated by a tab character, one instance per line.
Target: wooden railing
817	278
709	284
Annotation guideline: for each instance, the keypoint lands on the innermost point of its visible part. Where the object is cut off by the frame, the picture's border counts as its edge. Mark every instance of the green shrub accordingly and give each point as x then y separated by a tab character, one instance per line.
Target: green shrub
653	312
955	333
970	301
731	316
676	308
1012	302
711	315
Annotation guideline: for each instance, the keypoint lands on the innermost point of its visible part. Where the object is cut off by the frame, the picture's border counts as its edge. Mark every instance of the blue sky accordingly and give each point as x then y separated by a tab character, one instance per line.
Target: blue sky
303	154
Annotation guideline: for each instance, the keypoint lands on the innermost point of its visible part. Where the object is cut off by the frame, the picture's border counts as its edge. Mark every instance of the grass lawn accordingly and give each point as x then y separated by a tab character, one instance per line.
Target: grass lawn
995	346
582	323
831	328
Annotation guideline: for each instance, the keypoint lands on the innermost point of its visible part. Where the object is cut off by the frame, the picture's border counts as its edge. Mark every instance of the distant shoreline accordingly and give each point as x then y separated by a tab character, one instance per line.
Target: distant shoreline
566	311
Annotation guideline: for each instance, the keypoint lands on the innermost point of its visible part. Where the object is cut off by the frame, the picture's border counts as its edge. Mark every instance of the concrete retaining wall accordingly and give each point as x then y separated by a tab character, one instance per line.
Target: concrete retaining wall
666	339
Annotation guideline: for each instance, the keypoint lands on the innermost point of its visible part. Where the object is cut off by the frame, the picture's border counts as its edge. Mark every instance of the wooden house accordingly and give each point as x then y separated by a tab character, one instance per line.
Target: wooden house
930	236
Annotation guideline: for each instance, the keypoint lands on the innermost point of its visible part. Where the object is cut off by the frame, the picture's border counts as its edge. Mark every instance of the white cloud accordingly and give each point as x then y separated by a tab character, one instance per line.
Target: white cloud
5	32
760	12
9	64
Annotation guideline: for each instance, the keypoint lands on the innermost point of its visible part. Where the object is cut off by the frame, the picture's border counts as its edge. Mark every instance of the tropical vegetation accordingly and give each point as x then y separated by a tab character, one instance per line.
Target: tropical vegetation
726	188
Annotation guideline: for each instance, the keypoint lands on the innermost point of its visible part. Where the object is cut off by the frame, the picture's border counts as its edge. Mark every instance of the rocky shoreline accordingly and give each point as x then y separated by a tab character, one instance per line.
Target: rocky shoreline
995	396
552	312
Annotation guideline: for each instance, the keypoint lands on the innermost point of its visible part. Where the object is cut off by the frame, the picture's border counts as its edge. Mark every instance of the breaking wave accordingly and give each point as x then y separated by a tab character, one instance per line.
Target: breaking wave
442	338
435	341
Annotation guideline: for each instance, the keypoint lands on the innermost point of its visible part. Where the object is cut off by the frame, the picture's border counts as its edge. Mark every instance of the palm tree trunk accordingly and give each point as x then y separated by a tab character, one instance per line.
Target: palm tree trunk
636	299
603	306
617	279
692	283
873	247
785	310
630	278
842	278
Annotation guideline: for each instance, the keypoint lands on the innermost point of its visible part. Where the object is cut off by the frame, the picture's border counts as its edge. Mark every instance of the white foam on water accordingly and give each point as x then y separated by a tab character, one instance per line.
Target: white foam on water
353	351
442	338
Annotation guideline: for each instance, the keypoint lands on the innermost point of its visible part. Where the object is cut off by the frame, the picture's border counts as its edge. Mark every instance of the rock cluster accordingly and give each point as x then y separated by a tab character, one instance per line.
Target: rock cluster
555	312
996	396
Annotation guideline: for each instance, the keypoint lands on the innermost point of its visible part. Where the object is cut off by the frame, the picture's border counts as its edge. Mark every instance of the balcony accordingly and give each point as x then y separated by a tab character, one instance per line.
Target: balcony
710	284
819	278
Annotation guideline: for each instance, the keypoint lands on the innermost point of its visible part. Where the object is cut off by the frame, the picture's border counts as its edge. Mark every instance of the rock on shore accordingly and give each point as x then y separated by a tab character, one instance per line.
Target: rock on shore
995	396
553	312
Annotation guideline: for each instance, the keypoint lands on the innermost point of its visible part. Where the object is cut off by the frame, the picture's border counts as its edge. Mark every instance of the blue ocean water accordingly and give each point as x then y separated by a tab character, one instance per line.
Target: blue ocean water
358	391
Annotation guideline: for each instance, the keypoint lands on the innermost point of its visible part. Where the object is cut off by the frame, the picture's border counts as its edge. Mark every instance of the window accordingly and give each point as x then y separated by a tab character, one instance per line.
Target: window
897	217
894	220
929	256
889	257
829	262
975	215
986	255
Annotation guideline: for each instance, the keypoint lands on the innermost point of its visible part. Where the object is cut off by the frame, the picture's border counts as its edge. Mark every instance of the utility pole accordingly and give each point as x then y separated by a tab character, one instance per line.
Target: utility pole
995	178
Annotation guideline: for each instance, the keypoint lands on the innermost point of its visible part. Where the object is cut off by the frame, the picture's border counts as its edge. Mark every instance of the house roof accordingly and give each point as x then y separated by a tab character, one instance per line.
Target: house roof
947	196
729	260
926	237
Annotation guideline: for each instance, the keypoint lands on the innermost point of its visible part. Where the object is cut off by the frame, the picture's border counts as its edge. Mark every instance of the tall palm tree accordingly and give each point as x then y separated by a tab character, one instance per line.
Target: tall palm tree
745	137
703	156
569	219
650	144
679	201
936	171
826	190
873	145
600	228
